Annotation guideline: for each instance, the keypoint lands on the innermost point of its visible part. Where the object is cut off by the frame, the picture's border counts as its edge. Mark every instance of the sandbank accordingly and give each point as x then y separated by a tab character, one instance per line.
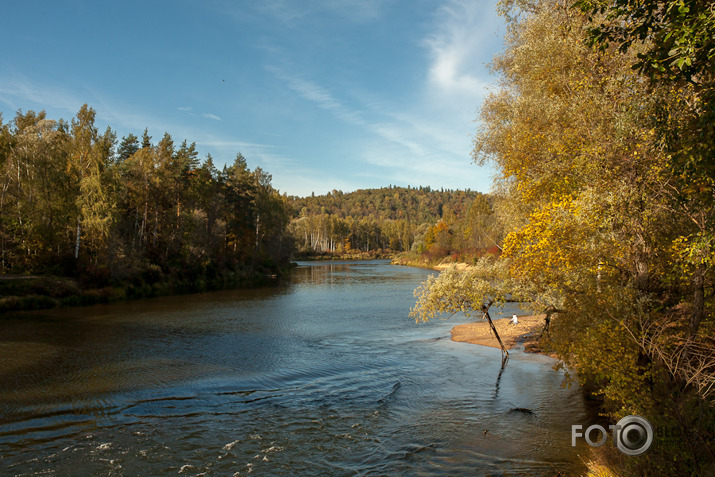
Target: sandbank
481	334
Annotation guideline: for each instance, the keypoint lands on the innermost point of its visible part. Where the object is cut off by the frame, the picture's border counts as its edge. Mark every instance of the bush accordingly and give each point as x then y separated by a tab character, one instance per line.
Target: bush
152	274
29	302
93	277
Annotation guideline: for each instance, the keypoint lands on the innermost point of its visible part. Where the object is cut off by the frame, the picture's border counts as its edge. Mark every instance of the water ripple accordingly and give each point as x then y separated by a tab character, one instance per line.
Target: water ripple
326	375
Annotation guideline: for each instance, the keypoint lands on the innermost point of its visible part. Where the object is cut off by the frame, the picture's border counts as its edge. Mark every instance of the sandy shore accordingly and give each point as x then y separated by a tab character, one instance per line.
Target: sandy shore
442	266
528	330
481	334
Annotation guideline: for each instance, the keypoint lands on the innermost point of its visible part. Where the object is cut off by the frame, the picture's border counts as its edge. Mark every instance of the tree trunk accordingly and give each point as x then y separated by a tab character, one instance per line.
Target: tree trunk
258	228
642	275
156	227
504	351
76	245
698	303
142	231
550	310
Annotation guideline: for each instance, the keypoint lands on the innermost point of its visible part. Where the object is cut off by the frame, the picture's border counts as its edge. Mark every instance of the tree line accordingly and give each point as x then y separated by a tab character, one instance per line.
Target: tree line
75	201
461	236
602	133
389	219
79	202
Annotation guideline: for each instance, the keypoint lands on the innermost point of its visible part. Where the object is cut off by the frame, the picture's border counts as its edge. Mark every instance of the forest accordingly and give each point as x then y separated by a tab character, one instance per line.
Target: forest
601	132
386	221
86	217
113	219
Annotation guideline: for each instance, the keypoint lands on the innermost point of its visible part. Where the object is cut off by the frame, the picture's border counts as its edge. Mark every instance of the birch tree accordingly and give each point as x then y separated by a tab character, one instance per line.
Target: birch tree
89	153
606	195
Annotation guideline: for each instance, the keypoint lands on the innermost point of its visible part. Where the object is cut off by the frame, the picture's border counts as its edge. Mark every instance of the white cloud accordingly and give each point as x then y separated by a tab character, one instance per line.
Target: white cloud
408	147
19	92
313	92
211	116
457	47
320	96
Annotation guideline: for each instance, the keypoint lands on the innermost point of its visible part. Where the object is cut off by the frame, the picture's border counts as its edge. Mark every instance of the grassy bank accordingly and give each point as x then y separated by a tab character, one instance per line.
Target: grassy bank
412	259
378	254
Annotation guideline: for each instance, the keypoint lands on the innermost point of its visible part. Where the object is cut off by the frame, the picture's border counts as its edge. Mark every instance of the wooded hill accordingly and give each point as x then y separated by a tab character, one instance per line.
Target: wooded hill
389	219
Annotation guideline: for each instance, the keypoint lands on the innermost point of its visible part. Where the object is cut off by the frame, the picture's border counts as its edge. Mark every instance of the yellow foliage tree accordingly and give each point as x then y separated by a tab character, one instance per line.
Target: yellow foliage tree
604	223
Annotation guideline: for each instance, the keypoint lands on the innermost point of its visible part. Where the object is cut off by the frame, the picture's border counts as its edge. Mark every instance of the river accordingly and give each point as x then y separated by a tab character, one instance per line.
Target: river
323	374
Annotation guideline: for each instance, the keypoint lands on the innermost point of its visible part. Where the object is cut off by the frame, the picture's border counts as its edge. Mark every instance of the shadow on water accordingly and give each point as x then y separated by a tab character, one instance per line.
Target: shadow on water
324	374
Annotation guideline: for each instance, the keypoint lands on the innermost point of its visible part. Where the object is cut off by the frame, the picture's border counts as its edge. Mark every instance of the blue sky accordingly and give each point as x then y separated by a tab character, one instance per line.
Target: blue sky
323	94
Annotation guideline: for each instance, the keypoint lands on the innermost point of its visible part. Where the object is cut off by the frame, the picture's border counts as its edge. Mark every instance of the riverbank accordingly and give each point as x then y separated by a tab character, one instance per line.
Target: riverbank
345	256
462	259
528	331
415	260
37	292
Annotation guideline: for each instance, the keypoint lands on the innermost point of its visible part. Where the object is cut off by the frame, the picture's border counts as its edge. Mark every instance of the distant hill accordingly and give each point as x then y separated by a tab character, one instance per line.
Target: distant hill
384	220
417	205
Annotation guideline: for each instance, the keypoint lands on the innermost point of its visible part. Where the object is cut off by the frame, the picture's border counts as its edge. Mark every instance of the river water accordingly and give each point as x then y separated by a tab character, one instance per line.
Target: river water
324	374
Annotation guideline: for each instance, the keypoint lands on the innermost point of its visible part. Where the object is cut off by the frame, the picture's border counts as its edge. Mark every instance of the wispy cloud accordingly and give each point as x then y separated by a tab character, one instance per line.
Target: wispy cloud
18	91
266	155
398	134
189	111
456	47
320	96
310	91
302	182
416	146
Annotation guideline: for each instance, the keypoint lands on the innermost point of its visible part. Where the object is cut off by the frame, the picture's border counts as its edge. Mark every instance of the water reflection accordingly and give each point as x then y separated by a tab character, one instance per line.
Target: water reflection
322	374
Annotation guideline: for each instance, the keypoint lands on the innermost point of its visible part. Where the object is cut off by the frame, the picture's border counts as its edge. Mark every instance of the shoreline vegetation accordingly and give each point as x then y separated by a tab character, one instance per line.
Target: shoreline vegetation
26	292
344	256
40	292
86	218
603	214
